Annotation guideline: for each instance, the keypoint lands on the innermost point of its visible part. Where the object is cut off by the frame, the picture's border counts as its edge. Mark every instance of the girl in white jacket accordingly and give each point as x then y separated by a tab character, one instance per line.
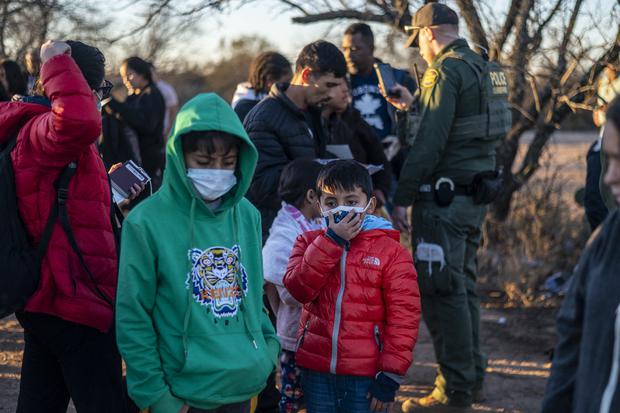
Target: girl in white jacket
300	212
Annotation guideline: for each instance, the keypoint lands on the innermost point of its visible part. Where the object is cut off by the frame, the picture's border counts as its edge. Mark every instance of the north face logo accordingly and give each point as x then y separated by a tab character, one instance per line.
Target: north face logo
372	261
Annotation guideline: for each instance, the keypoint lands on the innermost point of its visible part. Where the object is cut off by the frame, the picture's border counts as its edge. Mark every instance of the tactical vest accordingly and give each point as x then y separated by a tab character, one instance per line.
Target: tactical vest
495	119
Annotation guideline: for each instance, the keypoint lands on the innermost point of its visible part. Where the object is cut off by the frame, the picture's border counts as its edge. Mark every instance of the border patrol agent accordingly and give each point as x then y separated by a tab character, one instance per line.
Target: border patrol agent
448	177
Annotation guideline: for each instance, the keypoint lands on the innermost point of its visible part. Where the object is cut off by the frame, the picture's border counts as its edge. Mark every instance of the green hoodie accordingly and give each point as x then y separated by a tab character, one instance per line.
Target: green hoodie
189	313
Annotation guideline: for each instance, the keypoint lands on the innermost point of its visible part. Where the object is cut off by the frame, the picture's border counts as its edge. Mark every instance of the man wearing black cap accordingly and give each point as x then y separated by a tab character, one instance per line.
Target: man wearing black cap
448	177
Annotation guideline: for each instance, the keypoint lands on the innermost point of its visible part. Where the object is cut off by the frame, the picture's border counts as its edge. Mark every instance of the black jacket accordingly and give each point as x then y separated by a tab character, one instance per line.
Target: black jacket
589	329
244	106
281	133
145	114
118	143
351	129
596	210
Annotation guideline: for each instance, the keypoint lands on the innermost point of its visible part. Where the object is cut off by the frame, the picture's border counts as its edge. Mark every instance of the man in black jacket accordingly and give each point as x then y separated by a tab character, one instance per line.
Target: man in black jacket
279	125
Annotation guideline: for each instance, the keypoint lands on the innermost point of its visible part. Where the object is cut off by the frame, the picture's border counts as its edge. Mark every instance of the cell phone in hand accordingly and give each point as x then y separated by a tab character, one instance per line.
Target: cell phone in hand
124	178
385	73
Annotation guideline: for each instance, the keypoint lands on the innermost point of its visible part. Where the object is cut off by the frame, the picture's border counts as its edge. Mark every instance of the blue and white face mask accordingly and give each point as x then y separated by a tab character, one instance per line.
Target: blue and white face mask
342	211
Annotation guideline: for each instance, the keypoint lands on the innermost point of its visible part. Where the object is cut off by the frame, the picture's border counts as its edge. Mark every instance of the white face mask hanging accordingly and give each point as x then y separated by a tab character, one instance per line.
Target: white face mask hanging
212	184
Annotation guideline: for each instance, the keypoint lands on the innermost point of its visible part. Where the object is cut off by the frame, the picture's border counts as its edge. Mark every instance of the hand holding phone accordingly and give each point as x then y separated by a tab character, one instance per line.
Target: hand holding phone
387	82
398	95
128	180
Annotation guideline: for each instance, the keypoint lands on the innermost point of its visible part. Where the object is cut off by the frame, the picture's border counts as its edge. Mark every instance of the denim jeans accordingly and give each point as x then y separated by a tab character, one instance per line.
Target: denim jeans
331	393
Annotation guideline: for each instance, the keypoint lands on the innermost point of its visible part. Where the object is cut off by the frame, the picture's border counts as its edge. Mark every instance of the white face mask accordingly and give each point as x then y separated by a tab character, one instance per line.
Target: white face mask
212	183
342	211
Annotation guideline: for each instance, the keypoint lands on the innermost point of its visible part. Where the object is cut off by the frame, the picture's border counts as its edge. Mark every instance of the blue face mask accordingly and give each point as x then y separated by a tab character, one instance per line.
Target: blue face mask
340	212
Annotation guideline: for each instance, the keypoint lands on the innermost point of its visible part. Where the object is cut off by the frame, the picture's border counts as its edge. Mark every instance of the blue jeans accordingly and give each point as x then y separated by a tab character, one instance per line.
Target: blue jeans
331	393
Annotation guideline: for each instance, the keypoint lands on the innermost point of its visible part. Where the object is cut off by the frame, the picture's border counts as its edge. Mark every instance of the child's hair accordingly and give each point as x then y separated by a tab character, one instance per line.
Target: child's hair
297	178
344	175
202	141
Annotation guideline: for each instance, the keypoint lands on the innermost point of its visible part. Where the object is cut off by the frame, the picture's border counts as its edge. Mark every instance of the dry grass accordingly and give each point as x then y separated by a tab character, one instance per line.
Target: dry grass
544	234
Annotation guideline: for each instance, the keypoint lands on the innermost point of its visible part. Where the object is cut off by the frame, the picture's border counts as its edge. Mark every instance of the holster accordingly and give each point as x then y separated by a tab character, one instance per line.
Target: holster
486	187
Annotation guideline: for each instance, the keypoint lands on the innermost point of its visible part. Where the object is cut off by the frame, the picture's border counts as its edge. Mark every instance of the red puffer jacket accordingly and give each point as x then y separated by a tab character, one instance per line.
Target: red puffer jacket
47	141
365	300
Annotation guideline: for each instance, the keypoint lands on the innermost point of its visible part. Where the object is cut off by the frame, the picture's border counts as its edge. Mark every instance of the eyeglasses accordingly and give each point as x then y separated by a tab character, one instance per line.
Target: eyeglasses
104	91
411	29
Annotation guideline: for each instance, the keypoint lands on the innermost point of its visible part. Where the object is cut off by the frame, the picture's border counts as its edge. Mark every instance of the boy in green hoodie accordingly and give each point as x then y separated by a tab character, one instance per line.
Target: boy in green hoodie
189	313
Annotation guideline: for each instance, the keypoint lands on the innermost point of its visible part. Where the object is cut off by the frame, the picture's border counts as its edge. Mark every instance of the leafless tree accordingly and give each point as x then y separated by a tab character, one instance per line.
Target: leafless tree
25	24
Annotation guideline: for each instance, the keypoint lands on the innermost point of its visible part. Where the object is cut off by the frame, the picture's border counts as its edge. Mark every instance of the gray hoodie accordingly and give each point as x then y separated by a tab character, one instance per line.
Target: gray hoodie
586	364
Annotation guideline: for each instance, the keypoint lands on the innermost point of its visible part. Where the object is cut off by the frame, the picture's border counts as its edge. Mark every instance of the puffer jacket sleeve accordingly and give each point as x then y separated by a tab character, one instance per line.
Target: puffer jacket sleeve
310	266
74	122
402	299
272	158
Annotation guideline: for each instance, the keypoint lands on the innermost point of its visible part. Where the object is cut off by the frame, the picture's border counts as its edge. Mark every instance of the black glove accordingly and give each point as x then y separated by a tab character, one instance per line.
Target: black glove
383	388
336	238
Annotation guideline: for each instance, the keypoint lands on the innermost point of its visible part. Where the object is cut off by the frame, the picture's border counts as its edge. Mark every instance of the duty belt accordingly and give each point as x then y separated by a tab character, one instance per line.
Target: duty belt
426	192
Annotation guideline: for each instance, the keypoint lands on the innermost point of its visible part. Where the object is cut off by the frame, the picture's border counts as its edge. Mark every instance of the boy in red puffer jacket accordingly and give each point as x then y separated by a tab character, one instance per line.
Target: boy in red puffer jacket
361	300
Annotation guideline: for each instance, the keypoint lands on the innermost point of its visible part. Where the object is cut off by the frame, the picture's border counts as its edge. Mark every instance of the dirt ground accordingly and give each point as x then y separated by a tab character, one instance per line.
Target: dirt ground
516	340
516	347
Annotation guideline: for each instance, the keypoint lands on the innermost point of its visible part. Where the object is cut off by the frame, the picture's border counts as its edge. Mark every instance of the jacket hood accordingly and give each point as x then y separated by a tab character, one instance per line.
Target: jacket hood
206	112
13	115
374	222
245	91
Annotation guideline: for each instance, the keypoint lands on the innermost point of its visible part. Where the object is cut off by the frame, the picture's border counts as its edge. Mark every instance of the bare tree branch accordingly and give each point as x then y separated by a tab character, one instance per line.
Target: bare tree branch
343	14
469	13
296	6
503	34
538	35
544	129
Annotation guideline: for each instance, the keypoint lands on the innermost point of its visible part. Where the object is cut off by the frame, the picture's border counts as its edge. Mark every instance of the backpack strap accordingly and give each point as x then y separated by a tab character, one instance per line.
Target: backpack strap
62	195
59	210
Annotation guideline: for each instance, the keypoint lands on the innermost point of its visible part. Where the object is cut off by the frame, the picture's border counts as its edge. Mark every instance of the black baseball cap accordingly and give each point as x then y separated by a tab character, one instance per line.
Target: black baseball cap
431	14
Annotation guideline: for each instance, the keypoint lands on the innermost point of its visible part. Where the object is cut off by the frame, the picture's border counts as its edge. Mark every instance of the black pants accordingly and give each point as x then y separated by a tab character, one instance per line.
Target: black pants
243	407
270	396
64	360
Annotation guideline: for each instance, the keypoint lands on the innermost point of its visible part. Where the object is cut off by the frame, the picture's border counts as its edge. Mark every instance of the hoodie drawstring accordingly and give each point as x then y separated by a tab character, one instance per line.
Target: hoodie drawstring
190	298
246	322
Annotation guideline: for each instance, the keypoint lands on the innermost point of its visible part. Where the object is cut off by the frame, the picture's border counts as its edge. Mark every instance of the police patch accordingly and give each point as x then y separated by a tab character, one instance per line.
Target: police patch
430	78
214	278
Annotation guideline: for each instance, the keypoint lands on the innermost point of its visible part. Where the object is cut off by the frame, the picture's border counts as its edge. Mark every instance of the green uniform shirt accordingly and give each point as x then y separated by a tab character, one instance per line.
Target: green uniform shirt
450	89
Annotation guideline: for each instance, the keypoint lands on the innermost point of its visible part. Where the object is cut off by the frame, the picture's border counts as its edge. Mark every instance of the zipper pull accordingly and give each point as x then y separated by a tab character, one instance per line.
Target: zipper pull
255	345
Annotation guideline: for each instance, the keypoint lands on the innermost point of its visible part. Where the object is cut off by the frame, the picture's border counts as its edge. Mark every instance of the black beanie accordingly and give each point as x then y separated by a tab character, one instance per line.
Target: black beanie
90	60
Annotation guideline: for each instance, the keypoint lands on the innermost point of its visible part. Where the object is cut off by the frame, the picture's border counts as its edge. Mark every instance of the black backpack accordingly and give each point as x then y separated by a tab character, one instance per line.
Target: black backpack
20	261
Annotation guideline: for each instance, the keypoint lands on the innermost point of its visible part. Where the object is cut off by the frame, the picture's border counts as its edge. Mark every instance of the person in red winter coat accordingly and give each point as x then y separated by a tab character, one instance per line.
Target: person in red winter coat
70	349
361	301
